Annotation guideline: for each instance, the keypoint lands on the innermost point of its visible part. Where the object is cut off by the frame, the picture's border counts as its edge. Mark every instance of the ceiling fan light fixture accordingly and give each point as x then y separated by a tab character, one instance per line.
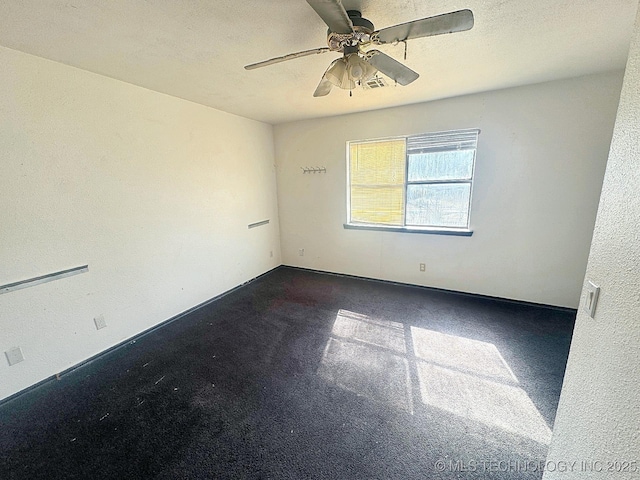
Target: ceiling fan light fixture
349	71
338	74
354	67
360	70
369	71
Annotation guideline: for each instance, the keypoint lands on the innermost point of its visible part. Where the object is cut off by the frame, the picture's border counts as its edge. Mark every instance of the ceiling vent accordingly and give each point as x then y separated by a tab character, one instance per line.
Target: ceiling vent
375	82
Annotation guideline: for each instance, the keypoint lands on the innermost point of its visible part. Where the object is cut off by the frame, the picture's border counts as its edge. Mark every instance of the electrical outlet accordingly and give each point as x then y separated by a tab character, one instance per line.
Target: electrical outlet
271	253
14	355
422	267
100	322
301	252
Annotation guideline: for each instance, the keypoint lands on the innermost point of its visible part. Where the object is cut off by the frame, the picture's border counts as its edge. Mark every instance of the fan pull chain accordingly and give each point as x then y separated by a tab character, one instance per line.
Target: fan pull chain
405	49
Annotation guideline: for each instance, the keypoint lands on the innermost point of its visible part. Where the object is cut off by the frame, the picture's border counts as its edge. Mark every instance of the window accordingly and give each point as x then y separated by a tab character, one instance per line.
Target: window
414	183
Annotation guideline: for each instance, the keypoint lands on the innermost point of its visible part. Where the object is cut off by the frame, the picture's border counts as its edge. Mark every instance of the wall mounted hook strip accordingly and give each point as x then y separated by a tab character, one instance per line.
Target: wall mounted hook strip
314	169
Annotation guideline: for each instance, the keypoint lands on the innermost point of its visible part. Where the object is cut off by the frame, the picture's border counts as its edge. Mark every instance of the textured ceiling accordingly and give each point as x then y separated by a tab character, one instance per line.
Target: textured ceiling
196	49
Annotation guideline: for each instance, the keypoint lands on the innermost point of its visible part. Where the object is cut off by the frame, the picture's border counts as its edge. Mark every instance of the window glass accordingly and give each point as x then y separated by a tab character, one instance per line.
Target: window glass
438	204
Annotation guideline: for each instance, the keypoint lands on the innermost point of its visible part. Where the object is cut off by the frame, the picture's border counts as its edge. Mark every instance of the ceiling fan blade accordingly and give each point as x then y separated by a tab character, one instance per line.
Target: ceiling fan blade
333	14
392	68
284	58
446	23
323	88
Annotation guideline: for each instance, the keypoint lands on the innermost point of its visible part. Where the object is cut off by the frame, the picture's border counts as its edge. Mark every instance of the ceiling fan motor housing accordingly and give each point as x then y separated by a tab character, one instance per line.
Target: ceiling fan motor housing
360	23
346	42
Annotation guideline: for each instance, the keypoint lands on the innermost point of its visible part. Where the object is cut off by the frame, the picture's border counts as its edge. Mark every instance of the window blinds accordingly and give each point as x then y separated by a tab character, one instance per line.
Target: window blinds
443	141
377	178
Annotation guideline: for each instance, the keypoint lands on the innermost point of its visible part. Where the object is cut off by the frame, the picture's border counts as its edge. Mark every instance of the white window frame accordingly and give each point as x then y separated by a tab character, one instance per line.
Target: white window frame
461	231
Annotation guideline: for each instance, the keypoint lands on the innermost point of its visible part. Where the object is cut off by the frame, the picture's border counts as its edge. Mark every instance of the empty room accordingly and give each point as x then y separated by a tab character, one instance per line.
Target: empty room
328	239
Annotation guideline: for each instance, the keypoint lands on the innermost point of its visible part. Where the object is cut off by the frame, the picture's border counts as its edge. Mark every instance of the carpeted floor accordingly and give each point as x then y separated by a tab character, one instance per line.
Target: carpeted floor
305	375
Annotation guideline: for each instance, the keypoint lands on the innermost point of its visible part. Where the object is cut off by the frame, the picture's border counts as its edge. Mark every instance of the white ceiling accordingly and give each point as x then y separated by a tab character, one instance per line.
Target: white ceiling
196	49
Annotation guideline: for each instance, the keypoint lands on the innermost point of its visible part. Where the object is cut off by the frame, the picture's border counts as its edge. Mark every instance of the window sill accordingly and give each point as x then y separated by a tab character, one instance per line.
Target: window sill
461	232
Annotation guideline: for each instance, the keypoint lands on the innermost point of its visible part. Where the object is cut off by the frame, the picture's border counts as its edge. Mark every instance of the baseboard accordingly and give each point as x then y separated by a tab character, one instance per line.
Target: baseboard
140	335
130	340
436	289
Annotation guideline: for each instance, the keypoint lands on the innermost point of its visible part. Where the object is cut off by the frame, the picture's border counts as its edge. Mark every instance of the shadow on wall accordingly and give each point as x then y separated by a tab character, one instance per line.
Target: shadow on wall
404	366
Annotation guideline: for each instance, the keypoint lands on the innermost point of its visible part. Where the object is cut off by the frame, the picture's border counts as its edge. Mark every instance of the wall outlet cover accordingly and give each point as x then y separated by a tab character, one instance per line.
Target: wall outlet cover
14	355
100	322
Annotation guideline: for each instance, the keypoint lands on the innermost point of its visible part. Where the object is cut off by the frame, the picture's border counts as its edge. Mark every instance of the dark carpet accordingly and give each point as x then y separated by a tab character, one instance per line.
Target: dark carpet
305	375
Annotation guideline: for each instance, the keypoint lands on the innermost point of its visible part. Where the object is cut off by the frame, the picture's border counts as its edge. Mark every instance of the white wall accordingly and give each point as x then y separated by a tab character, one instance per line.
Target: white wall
153	192
598	418
539	170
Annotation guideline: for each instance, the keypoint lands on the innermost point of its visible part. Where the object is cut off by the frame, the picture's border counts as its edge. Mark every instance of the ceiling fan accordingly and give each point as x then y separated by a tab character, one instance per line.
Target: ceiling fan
350	34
